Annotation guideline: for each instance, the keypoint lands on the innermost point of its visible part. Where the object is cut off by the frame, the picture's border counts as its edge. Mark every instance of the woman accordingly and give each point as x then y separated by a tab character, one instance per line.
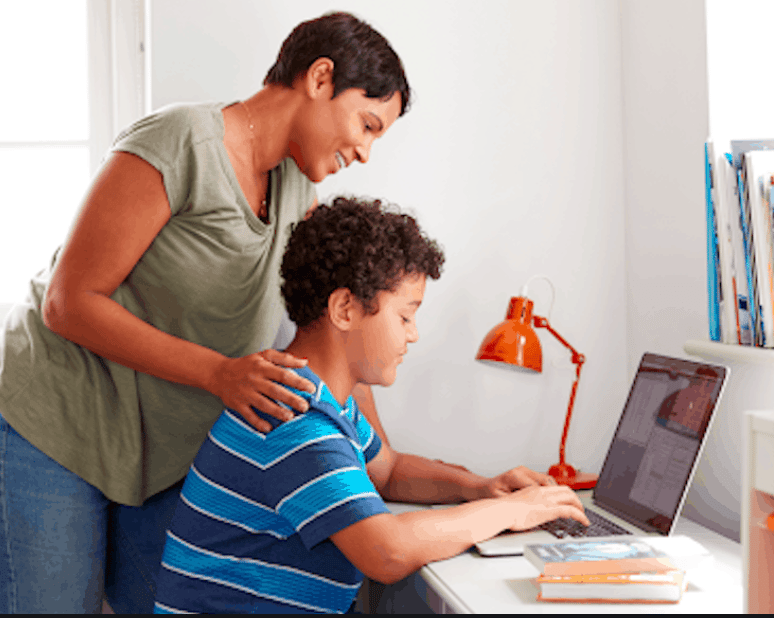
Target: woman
153	313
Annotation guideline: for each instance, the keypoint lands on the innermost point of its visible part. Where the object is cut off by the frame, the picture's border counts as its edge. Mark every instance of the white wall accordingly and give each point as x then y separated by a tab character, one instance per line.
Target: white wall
666	120
738	52
512	158
666	124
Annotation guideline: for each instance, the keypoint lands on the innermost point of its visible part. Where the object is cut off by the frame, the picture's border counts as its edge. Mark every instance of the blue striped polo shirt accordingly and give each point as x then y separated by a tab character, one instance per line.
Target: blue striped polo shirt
250	532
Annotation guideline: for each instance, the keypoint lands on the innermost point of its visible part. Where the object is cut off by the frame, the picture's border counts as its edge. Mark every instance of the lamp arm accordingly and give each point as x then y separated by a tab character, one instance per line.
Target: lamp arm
578	359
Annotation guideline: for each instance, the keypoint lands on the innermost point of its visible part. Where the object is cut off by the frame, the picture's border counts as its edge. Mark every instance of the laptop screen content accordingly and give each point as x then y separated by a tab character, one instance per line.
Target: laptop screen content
658	440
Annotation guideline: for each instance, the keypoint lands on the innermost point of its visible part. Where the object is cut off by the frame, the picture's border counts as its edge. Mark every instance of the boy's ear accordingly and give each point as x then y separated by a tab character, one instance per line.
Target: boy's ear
343	309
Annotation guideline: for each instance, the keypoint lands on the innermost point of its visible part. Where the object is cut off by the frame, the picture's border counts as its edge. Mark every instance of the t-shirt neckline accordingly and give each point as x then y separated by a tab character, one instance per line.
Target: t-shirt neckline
253	220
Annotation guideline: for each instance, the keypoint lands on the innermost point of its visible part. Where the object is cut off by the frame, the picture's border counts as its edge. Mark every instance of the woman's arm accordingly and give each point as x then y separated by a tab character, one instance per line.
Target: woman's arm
388	548
124	210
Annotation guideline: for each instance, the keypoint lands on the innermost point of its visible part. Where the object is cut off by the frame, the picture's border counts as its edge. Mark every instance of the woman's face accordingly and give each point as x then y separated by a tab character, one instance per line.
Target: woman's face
331	133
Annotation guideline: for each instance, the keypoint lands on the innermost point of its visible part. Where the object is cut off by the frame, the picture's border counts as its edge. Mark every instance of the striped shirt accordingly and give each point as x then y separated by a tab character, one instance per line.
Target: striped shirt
250	532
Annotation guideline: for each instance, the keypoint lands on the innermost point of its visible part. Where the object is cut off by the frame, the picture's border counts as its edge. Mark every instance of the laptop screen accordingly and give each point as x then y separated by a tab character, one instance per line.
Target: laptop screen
658	440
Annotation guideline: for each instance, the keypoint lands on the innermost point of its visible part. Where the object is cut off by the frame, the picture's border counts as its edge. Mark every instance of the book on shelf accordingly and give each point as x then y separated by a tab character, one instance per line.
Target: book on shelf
744	225
728	282
728	191
729	323
740	241
757	168
616	555
665	587
714	292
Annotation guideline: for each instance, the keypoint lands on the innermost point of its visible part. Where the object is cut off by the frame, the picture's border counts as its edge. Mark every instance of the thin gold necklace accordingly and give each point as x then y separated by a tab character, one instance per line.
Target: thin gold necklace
264	211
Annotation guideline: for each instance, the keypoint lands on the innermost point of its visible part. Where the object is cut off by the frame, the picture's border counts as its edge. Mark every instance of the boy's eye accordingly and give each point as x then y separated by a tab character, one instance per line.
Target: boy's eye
406	320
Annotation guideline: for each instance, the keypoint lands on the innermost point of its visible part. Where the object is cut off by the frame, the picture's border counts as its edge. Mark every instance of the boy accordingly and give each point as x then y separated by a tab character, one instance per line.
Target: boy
291	520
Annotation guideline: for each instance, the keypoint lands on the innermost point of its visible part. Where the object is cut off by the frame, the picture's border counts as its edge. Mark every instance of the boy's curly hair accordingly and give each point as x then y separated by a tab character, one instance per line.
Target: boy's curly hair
364	246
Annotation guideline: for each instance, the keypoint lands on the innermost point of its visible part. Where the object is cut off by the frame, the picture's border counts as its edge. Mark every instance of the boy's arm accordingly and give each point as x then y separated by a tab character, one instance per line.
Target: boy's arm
400	477
441	471
388	548
409	478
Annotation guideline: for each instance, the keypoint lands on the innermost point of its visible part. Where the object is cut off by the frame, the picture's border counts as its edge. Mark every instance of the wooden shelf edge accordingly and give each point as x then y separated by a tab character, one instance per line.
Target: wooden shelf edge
724	352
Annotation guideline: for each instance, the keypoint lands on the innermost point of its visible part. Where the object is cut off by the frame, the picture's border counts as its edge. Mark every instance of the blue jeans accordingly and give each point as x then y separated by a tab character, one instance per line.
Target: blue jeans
64	545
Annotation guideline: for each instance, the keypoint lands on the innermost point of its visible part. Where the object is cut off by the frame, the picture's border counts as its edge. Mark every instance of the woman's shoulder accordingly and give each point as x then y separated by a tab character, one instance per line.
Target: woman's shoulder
176	124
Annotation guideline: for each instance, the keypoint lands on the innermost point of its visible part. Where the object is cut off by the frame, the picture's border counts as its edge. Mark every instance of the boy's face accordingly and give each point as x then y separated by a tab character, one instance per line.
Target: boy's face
379	341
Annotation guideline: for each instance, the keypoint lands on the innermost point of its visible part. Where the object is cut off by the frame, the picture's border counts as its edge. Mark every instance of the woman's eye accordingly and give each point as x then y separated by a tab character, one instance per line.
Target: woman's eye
405	320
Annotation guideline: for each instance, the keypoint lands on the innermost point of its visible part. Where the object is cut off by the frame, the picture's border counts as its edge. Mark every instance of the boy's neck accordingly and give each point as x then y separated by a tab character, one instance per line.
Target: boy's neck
327	359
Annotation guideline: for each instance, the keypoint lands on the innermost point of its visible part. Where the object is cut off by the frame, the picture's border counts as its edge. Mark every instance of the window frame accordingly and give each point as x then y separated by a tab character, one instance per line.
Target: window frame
118	57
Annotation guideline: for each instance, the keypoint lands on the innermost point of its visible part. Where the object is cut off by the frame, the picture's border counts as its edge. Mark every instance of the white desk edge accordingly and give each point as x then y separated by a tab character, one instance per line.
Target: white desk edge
470	583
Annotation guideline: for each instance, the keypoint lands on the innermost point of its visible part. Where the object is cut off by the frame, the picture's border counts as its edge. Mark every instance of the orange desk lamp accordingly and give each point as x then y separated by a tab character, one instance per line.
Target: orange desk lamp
516	343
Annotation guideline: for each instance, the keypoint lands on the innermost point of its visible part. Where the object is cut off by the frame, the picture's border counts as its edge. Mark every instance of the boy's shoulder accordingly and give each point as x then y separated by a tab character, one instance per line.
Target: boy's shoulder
326	425
232	433
321	401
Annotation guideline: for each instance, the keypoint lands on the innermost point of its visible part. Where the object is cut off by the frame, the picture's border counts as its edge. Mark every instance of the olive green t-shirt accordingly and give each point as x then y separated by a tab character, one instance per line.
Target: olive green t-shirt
211	276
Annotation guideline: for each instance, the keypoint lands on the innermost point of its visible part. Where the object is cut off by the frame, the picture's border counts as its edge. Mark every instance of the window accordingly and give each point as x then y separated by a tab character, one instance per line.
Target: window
72	75
44	133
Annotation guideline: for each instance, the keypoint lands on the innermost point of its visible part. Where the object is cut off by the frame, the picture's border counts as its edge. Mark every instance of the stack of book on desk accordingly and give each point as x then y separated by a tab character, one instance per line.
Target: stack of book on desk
620	570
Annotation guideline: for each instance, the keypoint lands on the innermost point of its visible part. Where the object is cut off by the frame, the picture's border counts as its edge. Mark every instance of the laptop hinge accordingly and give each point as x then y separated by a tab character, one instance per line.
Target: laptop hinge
628	518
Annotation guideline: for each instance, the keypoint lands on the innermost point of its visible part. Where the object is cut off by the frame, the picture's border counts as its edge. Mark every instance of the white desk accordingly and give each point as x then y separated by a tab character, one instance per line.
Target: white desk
470	583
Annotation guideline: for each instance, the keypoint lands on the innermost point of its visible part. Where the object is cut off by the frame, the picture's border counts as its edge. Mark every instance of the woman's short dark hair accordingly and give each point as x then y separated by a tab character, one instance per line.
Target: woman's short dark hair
362	58
363	246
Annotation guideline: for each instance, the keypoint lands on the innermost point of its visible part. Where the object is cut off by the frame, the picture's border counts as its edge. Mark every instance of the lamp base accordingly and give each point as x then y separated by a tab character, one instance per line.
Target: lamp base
565	474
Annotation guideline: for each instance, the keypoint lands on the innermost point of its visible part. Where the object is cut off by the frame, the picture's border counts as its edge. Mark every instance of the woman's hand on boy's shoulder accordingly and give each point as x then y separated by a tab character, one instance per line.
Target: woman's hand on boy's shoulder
513	480
258	381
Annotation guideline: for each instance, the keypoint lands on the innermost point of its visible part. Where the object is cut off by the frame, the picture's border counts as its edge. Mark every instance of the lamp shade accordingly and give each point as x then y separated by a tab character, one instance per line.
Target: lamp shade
514	341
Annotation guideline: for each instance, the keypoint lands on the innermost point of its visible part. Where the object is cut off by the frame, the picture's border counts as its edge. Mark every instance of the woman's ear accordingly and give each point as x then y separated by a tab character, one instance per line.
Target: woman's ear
343	309
319	79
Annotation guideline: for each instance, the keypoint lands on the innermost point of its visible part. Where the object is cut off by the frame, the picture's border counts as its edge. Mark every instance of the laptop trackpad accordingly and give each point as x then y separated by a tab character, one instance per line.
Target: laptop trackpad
512	543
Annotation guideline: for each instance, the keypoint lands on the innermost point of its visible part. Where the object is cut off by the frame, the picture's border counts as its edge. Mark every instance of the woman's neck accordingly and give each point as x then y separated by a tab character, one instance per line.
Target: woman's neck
272	111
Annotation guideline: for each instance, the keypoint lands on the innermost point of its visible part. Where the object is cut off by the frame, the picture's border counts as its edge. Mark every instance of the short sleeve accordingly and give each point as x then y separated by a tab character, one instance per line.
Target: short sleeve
320	487
165	140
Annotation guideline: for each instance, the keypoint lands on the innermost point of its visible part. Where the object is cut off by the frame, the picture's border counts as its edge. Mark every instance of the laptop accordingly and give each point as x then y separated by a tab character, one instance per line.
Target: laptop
652	458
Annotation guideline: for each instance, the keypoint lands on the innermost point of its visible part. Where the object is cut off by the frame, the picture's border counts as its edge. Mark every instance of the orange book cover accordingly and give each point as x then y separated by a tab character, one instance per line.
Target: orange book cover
614	587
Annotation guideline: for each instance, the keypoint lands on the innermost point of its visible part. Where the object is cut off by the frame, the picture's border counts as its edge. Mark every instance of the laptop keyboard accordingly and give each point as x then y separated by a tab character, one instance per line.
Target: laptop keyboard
600	526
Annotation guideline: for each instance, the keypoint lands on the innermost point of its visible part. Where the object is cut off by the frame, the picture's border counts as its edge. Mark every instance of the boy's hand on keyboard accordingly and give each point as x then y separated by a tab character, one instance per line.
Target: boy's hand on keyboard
536	505
513	480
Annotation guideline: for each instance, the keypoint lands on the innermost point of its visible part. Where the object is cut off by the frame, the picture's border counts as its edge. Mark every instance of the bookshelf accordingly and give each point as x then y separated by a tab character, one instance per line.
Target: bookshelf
750	387
715	498
730	353
757	505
